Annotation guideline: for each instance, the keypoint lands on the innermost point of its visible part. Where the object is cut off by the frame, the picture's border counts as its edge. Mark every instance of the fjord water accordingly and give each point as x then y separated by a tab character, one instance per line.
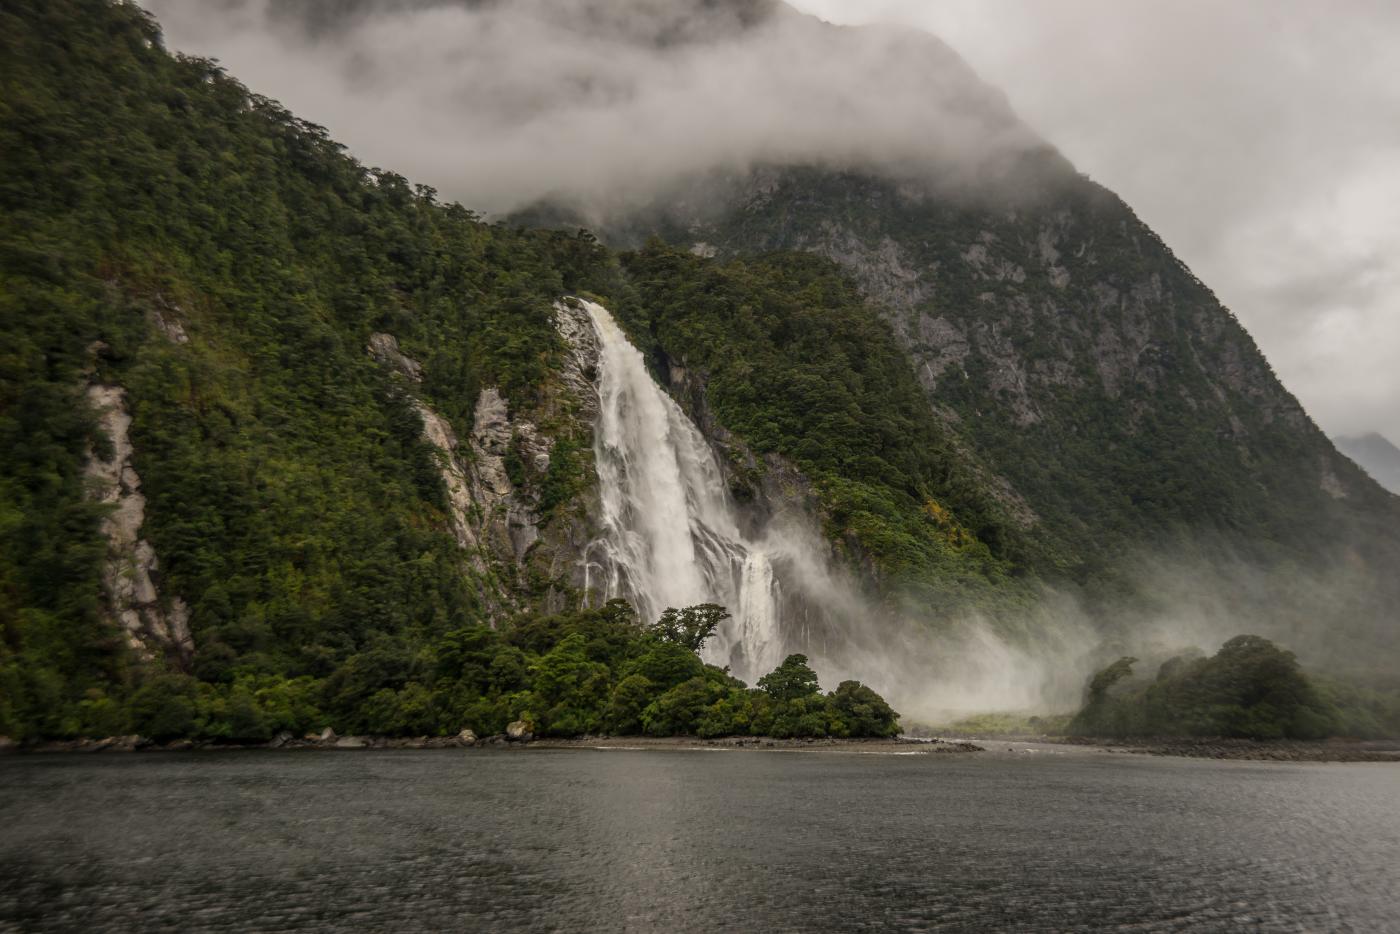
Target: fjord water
671	537
588	840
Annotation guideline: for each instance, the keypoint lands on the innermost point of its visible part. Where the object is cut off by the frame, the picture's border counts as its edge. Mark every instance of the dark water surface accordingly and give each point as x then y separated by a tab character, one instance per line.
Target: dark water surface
677	840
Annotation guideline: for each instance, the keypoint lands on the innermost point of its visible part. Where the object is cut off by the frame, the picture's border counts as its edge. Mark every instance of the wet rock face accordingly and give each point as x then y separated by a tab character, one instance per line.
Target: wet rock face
510	525
579	370
152	624
492	476
166	319
455	478
384	348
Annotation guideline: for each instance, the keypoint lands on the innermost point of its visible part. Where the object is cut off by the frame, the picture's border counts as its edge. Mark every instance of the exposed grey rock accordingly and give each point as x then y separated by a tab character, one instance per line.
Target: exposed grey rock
580	366
466	738
351	742
280	740
492	516
384	348
1331	483
438	432
8	745
131	570
327	735
129	743
519	732
941	345
167	322
881	267
510	525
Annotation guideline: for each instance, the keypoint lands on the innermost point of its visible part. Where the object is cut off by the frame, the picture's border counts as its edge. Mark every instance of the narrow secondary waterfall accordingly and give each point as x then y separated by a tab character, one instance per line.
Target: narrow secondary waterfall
671	537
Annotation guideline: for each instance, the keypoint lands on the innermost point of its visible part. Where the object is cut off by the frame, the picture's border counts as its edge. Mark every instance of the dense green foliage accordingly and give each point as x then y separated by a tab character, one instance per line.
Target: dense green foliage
289	494
1250	688
594	671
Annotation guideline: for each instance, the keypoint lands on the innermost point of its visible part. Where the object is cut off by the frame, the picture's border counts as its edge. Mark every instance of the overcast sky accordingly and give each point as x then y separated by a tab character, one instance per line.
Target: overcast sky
1260	138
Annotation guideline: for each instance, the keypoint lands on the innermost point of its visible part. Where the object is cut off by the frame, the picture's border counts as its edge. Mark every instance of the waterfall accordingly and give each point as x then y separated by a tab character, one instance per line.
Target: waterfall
670	534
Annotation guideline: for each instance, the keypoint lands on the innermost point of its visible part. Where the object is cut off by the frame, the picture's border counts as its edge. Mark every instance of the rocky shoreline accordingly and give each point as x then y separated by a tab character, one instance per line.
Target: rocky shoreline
516	735
1331	750
897	745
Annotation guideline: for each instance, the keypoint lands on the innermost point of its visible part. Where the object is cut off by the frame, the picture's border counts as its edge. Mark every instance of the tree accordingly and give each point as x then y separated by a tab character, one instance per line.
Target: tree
692	626
571	688
680	710
856	710
1100	684
164	707
667	664
629	699
792	680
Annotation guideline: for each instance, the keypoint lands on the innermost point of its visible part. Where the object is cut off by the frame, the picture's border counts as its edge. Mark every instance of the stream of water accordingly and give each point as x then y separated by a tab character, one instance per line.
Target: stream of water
671	535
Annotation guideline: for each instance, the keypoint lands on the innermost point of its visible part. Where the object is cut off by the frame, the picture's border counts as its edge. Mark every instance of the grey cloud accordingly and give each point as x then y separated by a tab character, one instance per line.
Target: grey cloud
498	104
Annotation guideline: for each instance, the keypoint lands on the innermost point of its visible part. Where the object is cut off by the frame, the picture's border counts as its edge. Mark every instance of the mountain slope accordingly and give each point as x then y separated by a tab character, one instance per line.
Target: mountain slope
212	269
1376	455
1069	346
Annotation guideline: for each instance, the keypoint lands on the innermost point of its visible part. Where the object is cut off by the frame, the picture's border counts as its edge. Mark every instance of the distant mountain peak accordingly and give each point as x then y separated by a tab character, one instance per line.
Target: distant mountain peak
1375	454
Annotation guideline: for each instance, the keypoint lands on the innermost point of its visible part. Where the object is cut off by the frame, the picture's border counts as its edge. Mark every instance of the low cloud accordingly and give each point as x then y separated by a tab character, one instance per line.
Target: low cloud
500	104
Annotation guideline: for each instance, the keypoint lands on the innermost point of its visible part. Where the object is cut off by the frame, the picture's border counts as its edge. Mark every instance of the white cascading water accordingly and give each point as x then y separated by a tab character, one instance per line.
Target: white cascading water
671	536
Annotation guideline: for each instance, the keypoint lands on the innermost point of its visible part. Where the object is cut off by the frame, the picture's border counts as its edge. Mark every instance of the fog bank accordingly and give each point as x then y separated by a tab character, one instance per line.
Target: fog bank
501	104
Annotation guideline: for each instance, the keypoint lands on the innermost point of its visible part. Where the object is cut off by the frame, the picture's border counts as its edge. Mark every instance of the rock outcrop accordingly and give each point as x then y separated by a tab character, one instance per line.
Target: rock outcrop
153	624
494	478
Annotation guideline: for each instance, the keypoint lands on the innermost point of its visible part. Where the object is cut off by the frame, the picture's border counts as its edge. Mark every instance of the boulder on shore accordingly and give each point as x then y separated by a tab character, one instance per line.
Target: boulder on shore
519	732
466	738
327	735
350	742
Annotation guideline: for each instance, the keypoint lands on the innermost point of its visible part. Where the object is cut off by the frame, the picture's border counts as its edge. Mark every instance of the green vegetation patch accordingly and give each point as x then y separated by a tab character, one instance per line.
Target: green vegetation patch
1251	689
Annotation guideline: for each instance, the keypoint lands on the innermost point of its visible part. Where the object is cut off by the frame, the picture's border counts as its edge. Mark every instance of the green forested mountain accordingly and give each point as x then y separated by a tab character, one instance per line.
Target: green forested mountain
217	268
285	441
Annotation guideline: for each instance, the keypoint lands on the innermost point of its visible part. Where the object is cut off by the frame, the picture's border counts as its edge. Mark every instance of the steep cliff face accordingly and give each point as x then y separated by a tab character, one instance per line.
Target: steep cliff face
495	481
154	624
